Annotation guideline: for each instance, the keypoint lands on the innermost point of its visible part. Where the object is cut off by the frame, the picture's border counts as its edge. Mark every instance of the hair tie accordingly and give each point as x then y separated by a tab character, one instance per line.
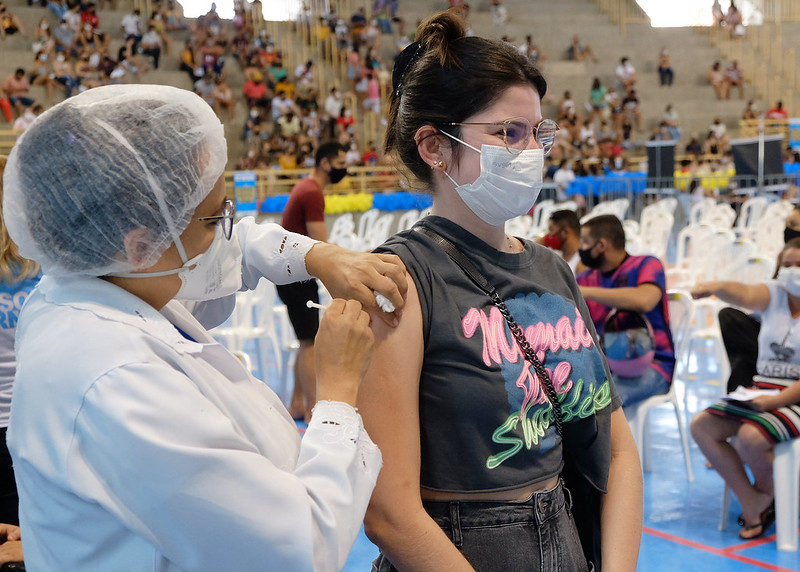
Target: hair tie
403	63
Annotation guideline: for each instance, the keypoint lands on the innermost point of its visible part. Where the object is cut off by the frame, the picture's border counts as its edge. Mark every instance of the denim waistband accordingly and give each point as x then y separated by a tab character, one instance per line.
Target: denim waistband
537	509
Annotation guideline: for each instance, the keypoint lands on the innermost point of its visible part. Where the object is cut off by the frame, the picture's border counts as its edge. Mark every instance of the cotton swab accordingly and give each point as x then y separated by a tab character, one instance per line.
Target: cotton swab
311	304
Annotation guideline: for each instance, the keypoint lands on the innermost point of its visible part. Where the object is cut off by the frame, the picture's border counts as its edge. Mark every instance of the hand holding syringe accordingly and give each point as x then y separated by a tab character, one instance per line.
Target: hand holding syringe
383	303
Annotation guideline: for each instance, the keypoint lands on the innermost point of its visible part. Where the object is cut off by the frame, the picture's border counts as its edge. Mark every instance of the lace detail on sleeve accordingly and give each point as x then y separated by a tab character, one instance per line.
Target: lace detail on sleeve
341	423
291	252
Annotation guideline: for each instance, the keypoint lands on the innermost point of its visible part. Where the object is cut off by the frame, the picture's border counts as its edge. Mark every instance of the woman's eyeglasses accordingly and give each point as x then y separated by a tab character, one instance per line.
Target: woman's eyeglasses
225	219
516	133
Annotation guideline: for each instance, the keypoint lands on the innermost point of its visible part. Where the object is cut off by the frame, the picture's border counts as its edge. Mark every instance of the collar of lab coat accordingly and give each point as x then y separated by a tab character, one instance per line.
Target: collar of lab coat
111	302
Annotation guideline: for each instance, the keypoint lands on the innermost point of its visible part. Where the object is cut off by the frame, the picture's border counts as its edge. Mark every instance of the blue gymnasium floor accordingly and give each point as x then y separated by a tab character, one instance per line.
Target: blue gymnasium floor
680	518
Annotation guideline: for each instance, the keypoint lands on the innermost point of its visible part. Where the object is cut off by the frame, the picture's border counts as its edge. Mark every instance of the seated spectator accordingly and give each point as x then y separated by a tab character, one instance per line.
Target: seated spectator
151	45
89	15
189	63
626	74
750	112
353	156
62	69
255	92
204	87
289	125
132	27
614	102
564	235
345	121
223	98
587	139
130	62
733	21
64	38
665	72
597	99
158	24
86	72
563	177
767	419
43	39
694	147
358	22
16	87
281	105
41	76
498	12
777	112
618	281
721	132
578	52
372	101
735	77
717	14
533	52
9	23
333	107
370	156
566	106
717	78
712	145
632	112
24	121
672	122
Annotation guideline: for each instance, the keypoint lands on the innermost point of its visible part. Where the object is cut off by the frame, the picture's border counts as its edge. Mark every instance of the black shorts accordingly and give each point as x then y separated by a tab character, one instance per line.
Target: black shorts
305	320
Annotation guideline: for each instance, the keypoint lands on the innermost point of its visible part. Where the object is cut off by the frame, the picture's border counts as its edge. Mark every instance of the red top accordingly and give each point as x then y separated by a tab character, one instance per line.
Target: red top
306	204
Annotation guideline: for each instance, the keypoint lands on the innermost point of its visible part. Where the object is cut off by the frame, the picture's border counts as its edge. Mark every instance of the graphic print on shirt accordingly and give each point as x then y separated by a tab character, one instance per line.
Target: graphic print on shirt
782	353
559	337
10	305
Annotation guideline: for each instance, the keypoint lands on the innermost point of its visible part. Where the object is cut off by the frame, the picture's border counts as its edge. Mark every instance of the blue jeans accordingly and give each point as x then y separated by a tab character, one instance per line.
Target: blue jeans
635	389
534	535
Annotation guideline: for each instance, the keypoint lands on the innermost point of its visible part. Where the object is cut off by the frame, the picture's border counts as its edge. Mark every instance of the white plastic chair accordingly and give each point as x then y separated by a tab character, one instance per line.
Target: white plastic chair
786	476
752	270
342	231
691	255
541	214
520	226
751	212
669	204
655	233
637	415
407	219
253	318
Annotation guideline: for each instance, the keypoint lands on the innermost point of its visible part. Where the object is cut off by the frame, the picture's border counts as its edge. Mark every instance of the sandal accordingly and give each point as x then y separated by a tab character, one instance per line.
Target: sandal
766	519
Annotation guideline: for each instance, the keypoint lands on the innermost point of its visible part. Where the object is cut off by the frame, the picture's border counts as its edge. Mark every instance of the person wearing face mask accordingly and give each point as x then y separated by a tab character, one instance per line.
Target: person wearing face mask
766	420
305	214
563	235
617	280
474	440
740	330
159	442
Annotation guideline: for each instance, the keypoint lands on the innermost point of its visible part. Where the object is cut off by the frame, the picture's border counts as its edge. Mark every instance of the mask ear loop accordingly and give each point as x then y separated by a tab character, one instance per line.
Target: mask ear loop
454	138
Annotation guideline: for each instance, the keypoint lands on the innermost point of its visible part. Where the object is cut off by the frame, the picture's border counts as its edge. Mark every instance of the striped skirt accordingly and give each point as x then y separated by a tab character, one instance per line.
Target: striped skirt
779	425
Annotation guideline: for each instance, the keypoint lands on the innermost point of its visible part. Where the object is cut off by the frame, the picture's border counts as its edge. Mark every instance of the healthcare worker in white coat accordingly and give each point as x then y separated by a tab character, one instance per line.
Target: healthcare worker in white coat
139	443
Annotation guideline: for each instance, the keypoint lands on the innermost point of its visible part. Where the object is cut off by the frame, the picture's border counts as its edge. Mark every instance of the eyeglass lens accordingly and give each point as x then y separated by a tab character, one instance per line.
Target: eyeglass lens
518	133
228	212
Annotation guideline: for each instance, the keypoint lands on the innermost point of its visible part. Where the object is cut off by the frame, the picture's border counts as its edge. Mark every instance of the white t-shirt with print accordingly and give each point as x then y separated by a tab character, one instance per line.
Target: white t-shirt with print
779	339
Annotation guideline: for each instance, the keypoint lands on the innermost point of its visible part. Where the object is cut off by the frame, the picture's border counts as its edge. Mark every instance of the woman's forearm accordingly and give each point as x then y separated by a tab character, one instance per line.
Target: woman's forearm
621	521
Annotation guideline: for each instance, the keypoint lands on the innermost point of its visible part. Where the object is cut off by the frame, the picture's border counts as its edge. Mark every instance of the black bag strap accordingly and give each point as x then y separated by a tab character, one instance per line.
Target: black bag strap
483	283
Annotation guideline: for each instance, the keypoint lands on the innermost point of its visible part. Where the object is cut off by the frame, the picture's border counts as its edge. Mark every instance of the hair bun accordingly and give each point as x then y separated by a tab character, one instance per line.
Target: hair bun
439	32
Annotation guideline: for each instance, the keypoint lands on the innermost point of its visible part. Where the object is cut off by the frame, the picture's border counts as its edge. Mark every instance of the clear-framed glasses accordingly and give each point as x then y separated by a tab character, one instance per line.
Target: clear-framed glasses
225	219
516	133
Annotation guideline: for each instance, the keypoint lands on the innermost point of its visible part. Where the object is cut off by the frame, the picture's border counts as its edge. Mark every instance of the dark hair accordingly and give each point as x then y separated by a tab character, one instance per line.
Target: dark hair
568	219
609	227
328	150
447	77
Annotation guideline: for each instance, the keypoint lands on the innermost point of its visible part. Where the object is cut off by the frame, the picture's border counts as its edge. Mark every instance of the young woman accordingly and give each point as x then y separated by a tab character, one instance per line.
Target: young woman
768	419
471	434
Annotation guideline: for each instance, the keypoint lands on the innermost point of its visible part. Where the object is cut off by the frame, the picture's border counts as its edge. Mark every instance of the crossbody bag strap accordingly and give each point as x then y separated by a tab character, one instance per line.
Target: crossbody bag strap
483	283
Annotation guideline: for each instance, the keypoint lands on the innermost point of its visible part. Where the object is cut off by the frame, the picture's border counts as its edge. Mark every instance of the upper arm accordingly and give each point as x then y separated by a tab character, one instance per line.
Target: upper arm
755	296
648	296
389	404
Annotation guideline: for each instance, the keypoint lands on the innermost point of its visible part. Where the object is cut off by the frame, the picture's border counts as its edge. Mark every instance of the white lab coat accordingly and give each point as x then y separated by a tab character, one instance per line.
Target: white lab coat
138	449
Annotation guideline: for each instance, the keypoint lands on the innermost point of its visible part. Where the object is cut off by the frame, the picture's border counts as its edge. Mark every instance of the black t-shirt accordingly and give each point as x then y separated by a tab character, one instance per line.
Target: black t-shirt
474	382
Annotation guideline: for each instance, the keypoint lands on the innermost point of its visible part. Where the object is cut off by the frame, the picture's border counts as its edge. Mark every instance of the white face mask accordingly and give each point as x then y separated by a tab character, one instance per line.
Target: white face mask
508	185
212	274
217	272
789	278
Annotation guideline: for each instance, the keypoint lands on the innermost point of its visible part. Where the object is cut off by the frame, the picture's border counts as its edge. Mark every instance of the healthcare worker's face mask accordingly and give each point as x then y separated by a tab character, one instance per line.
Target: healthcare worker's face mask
508	185
212	274
789	278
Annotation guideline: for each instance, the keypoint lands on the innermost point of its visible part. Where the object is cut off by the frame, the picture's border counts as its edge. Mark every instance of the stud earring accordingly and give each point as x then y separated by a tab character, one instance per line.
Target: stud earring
439	164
